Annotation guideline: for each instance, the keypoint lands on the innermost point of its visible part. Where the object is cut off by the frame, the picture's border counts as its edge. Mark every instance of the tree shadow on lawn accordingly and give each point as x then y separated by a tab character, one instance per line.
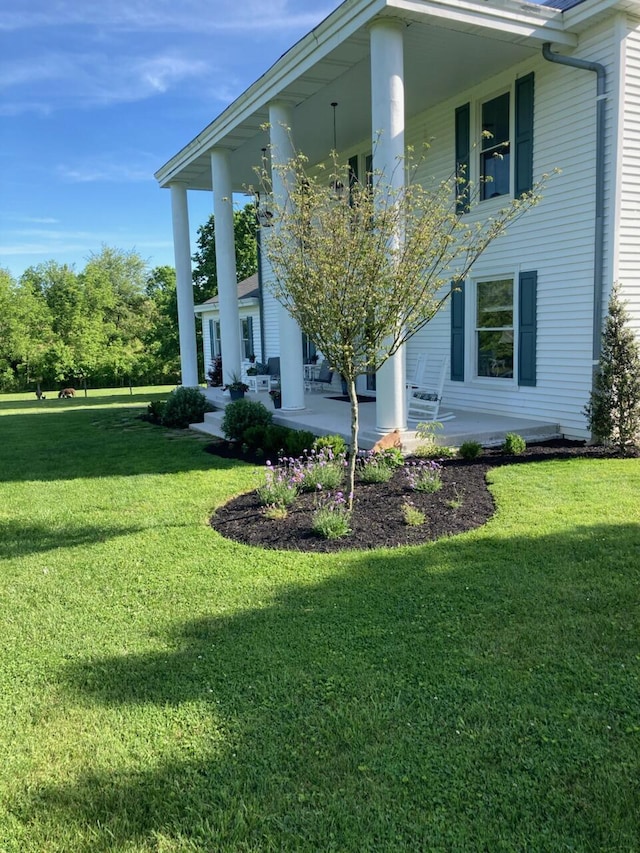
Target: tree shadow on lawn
475	694
80	443
18	539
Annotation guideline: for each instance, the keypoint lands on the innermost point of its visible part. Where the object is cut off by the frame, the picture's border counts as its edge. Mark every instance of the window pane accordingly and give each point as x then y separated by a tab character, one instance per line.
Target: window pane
495	166
494	328
495	304
495	155
495	120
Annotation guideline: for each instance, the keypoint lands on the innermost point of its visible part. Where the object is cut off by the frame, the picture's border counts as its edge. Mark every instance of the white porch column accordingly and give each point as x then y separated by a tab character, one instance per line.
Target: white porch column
226	263
184	285
290	335
387	126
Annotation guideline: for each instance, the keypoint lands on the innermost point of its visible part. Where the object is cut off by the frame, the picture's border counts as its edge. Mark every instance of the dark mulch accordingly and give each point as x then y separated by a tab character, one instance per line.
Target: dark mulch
463	503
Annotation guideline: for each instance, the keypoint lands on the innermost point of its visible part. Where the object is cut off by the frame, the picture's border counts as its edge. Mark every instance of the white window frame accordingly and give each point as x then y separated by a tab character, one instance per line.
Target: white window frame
472	330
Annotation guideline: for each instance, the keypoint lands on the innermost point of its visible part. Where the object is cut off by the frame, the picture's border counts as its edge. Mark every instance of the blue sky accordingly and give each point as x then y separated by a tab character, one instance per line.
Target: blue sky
96	95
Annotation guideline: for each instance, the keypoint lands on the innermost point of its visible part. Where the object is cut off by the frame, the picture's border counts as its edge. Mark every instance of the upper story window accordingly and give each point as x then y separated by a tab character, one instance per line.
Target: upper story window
495	153
505	162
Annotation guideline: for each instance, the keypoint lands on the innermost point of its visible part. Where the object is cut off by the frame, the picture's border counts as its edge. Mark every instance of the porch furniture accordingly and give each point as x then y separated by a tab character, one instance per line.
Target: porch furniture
273	370
424	394
311	372
259	382
323	379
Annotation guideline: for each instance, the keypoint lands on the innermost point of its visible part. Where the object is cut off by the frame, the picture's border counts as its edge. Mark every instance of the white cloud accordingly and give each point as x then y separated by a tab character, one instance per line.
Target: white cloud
198	16
107	170
92	79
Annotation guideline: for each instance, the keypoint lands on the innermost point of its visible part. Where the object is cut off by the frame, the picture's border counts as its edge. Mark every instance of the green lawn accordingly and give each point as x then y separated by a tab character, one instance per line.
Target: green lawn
162	689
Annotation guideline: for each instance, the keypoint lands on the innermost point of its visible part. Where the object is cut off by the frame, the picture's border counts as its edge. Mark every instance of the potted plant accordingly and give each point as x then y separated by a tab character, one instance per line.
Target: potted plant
276	396
252	358
236	387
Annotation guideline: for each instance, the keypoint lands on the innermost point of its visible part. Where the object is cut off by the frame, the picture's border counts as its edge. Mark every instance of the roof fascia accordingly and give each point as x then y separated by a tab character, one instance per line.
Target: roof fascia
579	15
529	20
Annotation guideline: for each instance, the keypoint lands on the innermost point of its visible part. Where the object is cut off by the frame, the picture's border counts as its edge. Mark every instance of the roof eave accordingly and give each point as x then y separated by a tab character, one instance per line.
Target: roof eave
537	22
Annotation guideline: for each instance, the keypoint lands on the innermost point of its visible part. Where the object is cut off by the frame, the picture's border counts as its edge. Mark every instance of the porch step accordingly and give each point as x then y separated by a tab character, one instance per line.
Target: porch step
212	424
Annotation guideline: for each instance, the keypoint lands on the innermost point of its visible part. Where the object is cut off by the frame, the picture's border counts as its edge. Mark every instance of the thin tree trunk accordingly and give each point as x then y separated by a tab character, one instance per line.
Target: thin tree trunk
353	397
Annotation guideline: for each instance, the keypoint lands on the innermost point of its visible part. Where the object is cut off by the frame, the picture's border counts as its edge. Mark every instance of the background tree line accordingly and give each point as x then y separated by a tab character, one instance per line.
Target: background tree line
113	323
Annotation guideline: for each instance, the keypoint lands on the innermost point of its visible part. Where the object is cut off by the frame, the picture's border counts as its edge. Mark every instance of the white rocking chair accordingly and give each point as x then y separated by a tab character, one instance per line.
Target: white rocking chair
424	393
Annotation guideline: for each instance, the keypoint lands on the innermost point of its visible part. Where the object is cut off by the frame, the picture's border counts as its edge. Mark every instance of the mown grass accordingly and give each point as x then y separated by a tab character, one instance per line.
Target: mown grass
162	689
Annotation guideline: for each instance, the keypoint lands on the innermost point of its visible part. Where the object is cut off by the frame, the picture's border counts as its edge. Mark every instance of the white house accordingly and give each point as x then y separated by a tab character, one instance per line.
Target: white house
559	85
249	318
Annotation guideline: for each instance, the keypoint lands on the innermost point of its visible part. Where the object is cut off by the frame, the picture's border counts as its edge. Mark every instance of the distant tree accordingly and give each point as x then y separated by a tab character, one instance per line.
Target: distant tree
114	283
205	277
162	340
8	330
378	289
613	411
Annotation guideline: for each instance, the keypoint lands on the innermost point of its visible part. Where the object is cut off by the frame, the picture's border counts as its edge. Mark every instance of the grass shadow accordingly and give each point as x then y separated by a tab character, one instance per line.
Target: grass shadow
80	442
18	539
488	705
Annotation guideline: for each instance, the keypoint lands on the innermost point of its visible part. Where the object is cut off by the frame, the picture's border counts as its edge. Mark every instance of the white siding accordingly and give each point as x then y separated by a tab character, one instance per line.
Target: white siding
628	273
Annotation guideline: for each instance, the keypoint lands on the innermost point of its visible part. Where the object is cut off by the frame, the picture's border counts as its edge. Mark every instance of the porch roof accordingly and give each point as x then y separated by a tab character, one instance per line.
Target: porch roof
248	294
448	44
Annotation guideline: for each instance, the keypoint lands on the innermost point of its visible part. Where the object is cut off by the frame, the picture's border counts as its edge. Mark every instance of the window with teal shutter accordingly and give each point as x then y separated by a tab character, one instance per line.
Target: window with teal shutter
524	135
527	333
457	331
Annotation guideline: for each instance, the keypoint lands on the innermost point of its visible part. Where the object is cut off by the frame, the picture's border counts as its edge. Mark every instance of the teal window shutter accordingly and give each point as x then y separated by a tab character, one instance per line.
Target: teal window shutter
524	135
250	336
457	331
527	299
463	144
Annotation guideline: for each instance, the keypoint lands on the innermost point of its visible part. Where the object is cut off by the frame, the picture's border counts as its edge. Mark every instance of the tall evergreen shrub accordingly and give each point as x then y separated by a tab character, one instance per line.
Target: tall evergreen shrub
613	411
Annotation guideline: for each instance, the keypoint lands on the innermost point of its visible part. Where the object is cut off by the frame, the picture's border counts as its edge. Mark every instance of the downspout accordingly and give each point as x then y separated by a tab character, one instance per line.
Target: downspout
598	257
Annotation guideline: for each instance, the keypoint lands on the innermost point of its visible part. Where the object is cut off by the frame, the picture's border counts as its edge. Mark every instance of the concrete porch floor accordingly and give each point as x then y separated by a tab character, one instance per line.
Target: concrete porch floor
324	416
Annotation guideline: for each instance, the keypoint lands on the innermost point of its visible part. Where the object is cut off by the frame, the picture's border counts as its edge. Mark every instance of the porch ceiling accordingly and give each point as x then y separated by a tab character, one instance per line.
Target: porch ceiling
443	56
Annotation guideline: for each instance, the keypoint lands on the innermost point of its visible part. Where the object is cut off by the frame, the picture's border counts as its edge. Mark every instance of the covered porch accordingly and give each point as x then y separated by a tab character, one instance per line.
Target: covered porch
323	415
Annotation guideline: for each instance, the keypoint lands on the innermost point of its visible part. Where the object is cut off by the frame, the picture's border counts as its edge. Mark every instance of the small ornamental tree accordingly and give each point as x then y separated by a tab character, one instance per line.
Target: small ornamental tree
364	266
613	411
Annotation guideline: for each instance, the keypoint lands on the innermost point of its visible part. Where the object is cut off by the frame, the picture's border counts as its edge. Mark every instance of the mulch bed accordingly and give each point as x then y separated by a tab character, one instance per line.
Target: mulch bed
463	503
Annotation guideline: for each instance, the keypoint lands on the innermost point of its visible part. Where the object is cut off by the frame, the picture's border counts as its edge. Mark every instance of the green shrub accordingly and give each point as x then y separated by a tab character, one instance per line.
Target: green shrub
155	411
433	451
335	442
391	457
242	414
298	440
613	411
255	436
413	517
470	449
275	439
185	406
514	444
